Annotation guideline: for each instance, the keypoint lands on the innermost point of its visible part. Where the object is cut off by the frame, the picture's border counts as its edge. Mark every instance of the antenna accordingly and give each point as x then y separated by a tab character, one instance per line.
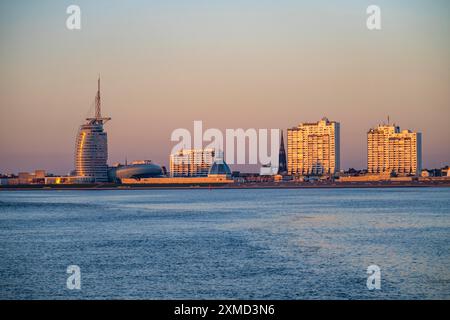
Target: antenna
98	111
388	120
98	119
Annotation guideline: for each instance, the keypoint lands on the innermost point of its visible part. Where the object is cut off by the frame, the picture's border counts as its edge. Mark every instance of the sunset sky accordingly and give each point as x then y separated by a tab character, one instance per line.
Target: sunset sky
232	64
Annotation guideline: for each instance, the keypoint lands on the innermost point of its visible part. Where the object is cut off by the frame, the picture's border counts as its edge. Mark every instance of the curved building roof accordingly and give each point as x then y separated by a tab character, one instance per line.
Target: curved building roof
219	167
137	171
91	152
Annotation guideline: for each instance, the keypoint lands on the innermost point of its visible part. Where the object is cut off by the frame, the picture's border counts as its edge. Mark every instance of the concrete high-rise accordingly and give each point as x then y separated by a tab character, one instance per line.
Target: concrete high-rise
390	150
91	149
191	162
314	148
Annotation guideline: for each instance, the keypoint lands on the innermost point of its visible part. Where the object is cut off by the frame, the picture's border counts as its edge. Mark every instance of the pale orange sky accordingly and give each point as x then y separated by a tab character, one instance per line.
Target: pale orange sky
232	64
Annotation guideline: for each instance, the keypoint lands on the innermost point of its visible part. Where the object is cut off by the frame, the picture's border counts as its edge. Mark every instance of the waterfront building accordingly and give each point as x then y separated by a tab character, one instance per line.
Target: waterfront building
36	177
219	169
314	148
268	170
219	173
391	151
39	177
91	149
137	170
445	172
25	178
69	180
191	162
180	181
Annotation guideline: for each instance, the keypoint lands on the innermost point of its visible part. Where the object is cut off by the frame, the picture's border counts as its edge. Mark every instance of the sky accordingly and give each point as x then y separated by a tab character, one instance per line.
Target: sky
232	64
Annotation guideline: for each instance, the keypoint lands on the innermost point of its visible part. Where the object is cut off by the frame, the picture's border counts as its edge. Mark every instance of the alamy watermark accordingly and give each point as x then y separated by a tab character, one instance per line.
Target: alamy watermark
73	21
74	280
235	142
373	21
374	278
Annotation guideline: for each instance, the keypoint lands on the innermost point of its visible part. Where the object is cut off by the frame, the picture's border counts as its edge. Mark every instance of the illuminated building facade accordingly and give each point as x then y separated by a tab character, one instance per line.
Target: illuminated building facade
313	148
390	150
91	149
191	162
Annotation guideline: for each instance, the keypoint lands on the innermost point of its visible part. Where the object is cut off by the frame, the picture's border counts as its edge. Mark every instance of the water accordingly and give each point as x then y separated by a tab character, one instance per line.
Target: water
226	244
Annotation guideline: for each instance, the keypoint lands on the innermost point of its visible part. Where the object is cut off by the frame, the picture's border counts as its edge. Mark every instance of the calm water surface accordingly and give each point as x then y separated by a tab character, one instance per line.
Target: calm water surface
249	244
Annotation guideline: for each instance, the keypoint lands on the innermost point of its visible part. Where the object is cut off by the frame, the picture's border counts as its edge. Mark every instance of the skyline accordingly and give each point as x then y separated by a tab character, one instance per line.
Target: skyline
165	65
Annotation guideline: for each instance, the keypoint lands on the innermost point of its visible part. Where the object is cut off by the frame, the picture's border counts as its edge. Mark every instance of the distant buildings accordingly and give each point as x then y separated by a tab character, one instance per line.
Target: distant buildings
68	180
446	172
191	162
40	177
313	153
91	149
313	148
219	173
36	177
391	151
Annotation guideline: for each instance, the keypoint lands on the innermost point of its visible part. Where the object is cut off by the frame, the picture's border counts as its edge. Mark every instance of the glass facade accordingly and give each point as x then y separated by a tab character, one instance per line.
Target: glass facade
91	152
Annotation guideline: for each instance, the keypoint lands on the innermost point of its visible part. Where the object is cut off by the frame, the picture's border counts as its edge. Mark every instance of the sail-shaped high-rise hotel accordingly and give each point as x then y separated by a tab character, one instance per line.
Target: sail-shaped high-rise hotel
91	150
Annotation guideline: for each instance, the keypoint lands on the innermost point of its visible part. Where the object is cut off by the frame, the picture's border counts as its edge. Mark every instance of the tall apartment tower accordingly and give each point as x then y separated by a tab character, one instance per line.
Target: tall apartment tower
191	162
314	148
91	148
390	150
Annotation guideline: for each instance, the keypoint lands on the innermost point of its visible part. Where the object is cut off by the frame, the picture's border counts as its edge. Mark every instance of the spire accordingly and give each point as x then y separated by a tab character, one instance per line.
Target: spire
282	166
98	119
98	111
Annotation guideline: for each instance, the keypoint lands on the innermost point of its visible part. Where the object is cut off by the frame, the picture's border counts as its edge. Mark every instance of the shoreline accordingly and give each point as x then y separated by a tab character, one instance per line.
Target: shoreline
258	185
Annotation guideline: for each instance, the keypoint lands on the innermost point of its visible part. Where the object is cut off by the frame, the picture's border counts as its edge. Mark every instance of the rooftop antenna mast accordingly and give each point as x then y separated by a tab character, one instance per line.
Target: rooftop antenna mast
98	119
98	111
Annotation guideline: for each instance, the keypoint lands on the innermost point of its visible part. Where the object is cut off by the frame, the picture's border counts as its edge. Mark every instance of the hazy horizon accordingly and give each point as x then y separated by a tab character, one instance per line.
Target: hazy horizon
232	64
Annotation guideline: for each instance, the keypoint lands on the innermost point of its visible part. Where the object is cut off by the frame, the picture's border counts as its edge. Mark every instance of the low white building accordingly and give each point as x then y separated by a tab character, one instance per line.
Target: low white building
268	170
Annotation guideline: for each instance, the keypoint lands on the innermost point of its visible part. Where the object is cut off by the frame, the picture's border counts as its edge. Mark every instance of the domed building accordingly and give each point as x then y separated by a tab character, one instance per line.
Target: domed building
219	174
137	170
219	169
